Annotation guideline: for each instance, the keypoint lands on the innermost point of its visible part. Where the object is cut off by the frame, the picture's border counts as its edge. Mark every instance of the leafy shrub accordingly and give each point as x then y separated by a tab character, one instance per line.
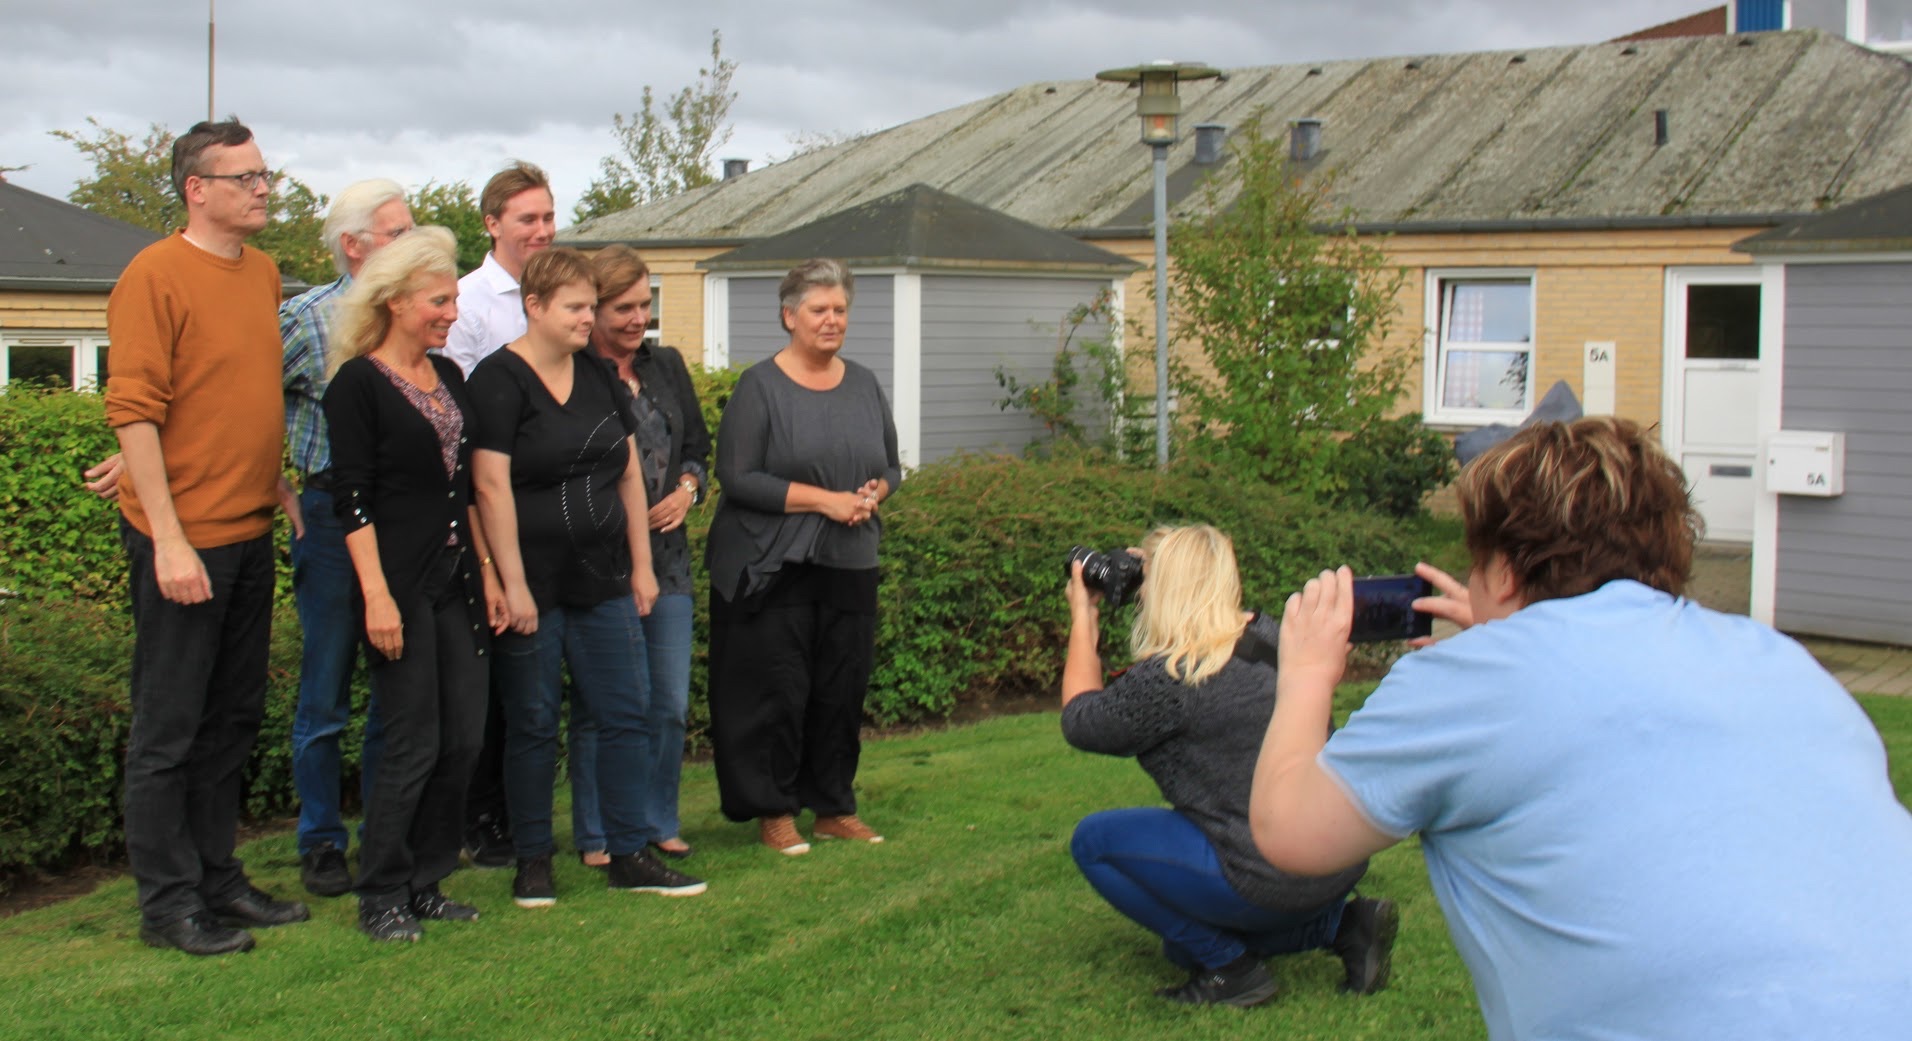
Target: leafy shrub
56	538
1391	465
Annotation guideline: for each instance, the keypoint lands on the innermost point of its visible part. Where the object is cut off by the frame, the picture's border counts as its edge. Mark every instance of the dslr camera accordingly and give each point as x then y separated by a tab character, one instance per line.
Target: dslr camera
1117	574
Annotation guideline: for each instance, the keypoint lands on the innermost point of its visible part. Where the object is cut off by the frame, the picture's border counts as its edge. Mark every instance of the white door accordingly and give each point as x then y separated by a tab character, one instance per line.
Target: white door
1711	405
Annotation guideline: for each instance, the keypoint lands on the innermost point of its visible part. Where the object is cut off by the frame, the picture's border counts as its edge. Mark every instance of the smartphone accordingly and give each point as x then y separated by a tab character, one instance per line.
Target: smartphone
1383	609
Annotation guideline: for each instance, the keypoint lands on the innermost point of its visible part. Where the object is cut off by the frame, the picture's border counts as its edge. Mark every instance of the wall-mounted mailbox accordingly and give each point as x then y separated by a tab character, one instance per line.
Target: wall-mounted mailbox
1806	462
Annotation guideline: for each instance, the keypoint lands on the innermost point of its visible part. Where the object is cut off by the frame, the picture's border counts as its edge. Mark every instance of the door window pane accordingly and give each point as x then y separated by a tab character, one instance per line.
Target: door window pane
1722	323
51	366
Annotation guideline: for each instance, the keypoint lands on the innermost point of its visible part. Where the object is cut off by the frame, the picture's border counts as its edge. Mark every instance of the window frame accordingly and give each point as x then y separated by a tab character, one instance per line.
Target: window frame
1435	348
83	347
654	333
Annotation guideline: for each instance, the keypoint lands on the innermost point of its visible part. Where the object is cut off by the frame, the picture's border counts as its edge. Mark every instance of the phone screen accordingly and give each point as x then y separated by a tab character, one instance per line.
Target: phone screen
1383	609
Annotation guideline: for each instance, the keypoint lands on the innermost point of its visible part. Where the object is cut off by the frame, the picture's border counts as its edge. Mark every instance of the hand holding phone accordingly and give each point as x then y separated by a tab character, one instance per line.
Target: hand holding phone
1384	609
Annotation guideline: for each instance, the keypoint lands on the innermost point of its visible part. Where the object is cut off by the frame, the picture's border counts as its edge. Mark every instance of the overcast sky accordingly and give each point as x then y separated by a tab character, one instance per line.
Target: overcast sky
436	89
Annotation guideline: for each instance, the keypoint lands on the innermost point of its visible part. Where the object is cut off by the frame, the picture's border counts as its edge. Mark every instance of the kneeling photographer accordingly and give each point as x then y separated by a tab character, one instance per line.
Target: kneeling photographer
1191	711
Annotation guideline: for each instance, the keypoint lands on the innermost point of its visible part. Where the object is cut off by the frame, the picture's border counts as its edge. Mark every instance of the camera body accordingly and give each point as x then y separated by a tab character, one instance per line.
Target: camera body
1117	574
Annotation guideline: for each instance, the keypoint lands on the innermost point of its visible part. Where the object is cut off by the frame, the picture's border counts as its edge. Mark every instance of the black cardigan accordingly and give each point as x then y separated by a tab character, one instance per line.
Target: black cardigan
387	472
665	382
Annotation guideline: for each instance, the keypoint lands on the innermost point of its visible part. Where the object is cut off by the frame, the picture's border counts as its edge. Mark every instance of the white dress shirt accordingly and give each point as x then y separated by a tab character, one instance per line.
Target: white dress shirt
490	315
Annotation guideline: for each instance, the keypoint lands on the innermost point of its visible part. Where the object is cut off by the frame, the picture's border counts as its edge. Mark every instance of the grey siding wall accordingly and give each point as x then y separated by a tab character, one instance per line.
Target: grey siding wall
756	334
972	325
1845	564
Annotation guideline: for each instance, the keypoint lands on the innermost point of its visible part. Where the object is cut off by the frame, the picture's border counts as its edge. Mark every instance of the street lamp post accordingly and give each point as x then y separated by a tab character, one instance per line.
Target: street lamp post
1158	105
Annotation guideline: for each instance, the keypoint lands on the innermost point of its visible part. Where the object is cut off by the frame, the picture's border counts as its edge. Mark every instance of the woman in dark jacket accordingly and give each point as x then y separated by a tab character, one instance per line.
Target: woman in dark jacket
398	420
673	451
1192	712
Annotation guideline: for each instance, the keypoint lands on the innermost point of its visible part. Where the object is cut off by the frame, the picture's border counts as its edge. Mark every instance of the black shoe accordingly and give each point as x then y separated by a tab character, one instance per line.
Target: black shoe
198	933
432	904
257	907
488	842
641	872
533	887
389	924
1243	982
1365	943
324	872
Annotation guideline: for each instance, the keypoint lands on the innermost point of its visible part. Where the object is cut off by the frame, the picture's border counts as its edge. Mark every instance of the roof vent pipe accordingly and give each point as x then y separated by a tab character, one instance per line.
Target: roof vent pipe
1659	127
736	168
1304	139
1209	138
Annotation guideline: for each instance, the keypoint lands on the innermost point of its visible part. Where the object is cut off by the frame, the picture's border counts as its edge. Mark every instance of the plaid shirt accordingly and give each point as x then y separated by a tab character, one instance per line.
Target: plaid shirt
305	324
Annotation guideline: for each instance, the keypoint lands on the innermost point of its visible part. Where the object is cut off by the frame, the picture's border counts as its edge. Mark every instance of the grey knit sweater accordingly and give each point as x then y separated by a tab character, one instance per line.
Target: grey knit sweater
1199	745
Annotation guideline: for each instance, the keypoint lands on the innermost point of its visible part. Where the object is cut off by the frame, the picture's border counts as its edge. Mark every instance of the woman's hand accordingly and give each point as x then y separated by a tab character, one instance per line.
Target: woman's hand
644	588
670	511
848	508
382	625
497	611
521	611
1453	604
1315	625
1082	599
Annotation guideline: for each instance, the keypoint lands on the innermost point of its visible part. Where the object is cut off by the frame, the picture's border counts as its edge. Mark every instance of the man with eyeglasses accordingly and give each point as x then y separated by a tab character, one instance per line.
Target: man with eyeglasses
365	217
191	399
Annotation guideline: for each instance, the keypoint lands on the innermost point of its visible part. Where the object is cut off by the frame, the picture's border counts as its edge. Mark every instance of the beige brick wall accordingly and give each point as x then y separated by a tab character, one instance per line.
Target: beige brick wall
79	312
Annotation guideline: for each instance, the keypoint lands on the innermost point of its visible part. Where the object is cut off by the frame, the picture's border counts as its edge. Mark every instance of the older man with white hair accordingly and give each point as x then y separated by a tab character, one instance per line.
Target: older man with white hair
364	218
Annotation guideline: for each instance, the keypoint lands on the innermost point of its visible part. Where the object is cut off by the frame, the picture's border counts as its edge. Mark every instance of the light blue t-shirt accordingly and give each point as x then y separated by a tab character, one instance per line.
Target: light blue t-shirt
1645	819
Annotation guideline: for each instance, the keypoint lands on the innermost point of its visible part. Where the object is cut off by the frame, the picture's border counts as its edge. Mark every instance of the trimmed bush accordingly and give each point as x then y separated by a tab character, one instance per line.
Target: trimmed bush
56	538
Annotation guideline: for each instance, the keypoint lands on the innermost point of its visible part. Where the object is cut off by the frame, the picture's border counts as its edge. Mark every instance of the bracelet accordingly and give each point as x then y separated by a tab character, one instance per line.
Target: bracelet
690	486
485	562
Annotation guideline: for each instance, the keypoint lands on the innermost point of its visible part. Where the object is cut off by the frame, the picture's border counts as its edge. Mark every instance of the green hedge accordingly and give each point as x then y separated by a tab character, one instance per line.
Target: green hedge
971	604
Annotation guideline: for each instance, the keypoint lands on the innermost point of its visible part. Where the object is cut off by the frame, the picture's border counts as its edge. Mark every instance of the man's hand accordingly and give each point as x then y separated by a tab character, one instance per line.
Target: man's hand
103	479
289	502
181	574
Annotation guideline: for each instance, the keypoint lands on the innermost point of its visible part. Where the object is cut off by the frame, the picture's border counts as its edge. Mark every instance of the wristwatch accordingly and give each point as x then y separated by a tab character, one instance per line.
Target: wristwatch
689	484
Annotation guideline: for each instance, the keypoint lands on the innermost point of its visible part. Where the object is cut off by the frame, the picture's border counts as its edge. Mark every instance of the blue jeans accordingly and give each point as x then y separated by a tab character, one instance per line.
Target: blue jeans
324	587
667	642
1155	866
603	647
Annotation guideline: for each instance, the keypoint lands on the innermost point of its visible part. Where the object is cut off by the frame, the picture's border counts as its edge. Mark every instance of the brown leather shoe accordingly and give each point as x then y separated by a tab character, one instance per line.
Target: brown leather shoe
845	827
780	834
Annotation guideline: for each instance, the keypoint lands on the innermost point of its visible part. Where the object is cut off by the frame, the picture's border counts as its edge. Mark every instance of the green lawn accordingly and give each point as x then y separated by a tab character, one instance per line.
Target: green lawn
971	922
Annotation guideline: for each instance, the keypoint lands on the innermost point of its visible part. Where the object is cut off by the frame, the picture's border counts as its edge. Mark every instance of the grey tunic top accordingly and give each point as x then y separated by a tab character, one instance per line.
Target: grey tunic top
1199	744
775	432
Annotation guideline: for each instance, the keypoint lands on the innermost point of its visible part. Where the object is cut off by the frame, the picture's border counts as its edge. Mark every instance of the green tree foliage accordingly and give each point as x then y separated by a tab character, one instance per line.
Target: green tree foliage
454	205
295	237
663	150
1292	327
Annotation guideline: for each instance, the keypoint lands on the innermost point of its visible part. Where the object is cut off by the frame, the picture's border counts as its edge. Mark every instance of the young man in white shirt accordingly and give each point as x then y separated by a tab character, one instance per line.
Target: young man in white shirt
521	219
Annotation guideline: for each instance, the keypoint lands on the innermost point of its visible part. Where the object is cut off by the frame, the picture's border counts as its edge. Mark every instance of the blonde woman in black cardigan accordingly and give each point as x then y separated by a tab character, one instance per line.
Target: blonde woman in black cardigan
399	421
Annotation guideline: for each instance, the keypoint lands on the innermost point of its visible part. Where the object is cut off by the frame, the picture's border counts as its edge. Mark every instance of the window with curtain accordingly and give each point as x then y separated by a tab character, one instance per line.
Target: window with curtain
1485	344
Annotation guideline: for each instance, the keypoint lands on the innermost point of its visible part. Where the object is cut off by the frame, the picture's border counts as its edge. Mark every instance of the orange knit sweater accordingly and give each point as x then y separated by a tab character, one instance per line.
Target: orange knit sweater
195	351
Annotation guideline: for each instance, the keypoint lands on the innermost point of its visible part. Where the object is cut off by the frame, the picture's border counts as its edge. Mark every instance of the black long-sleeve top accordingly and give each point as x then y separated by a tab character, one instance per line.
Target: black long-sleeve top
388	472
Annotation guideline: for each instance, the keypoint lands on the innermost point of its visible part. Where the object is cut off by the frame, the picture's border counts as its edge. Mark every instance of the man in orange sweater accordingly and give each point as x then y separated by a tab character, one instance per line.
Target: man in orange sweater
194	399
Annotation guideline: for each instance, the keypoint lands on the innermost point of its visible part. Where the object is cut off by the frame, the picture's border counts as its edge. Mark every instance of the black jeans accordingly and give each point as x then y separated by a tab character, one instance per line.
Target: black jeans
786	705
431	702
199	685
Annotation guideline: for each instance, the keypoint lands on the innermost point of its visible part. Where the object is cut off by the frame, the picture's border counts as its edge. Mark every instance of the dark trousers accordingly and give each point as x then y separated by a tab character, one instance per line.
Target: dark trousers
486	795
199	684
431	703
786	703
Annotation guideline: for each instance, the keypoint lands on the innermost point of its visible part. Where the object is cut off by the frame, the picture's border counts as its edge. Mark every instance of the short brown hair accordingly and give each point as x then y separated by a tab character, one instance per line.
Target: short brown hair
618	268
189	148
550	270
1573	506
507	184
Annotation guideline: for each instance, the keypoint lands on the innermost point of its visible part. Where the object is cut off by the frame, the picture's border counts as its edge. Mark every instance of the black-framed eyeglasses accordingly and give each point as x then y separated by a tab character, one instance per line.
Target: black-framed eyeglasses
248	181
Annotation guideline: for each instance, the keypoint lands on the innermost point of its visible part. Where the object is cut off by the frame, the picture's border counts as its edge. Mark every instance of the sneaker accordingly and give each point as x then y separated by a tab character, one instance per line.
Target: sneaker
845	827
641	872
324	872
533	887
255	906
1365	943
780	834
390	924
1243	982
488	842
198	933
430	903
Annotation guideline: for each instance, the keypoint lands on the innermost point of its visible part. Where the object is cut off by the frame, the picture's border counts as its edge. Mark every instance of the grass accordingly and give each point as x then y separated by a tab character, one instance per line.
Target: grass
971	922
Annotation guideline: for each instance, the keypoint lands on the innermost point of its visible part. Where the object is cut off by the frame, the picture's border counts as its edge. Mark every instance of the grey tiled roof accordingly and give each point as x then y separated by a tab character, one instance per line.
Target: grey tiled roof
1880	224
53	245
1762	127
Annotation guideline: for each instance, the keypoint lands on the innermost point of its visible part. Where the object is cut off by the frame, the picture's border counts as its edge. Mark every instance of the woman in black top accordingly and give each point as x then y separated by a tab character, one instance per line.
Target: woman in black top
805	455
559	490
1192	712
398	420
673	449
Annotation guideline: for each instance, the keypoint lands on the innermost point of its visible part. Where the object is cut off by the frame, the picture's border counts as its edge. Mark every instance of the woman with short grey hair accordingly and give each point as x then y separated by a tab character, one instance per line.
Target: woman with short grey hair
806	454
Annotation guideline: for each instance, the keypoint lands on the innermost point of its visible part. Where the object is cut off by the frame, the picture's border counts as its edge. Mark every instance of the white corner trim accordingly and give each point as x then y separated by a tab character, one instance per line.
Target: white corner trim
907	367
1772	386
716	321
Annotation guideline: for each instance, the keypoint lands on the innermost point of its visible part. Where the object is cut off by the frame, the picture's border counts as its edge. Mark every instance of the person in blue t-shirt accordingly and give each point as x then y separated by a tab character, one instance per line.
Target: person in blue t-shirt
1642	818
